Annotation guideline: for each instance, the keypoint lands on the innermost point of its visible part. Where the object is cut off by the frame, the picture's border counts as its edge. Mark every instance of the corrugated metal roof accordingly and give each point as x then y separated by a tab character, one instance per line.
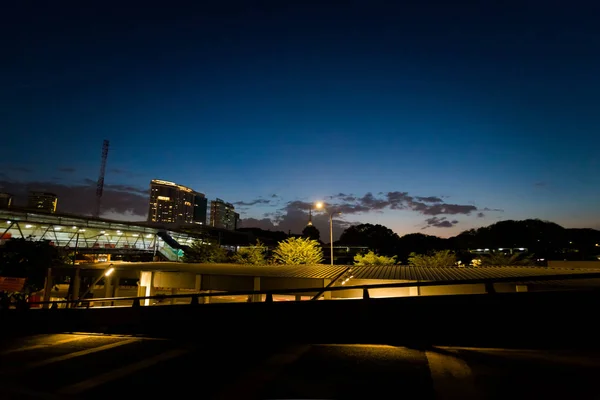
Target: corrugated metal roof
407	273
395	272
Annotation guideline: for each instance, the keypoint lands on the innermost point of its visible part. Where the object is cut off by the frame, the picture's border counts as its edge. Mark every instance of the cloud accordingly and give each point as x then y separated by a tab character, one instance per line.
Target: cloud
294	214
493	209
429	199
343	197
67	169
21	169
480	215
274	196
80	198
252	202
540	184
438	222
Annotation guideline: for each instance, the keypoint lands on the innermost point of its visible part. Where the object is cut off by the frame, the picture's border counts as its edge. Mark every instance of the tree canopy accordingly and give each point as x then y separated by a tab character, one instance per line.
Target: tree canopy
253	255
371	259
378	238
295	251
311	232
205	252
22	258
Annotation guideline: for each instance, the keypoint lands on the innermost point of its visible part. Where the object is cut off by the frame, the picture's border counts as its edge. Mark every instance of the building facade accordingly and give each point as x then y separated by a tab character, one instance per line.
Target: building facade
42	201
223	215
171	203
6	200
200	209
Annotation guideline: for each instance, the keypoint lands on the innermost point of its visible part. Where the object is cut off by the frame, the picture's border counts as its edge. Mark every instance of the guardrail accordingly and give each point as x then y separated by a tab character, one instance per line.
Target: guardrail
488	282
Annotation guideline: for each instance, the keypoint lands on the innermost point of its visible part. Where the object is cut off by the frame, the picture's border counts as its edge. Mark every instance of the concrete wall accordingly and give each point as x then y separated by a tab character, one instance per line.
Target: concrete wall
574	264
174	280
499	320
358	293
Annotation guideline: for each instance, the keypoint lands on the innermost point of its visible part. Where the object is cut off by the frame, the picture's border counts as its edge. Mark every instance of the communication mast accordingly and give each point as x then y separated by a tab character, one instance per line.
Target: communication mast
100	184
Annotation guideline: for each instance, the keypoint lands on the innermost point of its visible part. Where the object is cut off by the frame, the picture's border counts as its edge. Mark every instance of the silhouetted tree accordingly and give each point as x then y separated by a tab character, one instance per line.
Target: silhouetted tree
420	244
22	258
311	232
267	237
378	238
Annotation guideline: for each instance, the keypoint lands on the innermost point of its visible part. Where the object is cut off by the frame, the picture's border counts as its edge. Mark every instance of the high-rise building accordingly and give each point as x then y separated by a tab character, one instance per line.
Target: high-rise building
42	201
6	200
200	205
223	215
175	204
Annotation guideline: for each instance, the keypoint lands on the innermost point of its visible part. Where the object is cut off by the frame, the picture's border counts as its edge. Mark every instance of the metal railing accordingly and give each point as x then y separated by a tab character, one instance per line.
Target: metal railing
195	297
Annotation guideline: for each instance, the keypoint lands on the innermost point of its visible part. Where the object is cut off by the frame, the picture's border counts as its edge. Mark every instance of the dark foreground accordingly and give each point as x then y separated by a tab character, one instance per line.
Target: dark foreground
53	366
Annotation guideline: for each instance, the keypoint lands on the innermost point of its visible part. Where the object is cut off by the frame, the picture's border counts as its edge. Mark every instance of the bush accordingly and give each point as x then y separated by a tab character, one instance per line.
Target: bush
295	251
443	258
373	259
254	255
205	252
504	260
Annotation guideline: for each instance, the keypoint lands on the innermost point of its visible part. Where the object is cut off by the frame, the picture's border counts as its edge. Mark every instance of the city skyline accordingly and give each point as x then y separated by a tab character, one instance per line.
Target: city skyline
396	113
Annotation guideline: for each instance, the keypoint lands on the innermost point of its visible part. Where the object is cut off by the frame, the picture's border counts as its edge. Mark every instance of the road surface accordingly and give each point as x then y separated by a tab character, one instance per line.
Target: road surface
91	367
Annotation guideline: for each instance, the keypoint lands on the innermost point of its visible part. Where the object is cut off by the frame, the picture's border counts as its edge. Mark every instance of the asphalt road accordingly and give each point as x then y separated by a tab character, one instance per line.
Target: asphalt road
103	367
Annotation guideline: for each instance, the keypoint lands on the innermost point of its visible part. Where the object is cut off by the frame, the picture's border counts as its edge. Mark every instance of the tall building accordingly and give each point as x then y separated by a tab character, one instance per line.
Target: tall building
175	204
223	215
42	201
200	209
6	200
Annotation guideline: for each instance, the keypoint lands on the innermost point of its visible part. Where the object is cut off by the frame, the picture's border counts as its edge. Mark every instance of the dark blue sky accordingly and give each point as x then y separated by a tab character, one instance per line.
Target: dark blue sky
490	107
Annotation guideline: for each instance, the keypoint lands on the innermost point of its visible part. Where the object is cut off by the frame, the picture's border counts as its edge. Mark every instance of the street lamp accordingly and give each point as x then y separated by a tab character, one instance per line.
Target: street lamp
77	279
106	274
319	205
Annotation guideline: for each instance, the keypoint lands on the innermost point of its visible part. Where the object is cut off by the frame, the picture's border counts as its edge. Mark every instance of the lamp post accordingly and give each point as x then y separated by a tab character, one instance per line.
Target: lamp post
320	206
77	279
106	274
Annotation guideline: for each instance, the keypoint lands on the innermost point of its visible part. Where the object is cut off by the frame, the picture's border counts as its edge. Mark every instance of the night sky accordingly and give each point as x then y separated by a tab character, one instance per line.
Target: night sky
422	116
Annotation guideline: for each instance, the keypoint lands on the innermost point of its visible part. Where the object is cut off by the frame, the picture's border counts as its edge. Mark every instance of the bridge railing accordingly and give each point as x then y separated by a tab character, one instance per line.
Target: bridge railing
198	298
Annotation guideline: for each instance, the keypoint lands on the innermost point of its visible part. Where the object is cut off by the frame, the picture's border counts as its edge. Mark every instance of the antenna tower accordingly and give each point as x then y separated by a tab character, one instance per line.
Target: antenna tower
100	184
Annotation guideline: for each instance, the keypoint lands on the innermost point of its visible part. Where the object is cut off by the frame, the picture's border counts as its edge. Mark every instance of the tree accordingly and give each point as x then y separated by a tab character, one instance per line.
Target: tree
254	255
373	259
22	258
420	244
378	238
311	232
295	251
504	260
443	258
205	252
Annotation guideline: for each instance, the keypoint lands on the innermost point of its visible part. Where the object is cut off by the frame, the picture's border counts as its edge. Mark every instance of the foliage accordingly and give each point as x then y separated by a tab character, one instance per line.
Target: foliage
254	255
443	258
311	232
294	251
503	260
205	252
476	262
373	259
420	244
380	239
21	258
